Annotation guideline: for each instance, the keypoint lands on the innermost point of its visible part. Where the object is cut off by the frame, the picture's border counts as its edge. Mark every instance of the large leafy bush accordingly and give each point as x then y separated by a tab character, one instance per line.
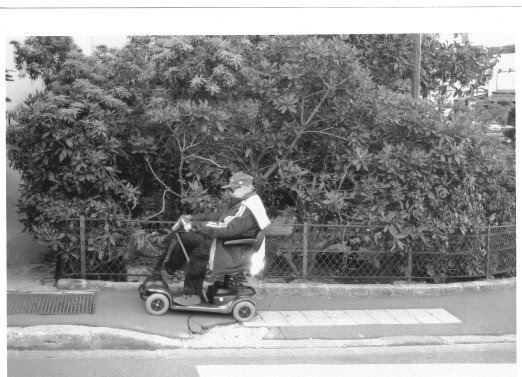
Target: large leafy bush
67	143
155	128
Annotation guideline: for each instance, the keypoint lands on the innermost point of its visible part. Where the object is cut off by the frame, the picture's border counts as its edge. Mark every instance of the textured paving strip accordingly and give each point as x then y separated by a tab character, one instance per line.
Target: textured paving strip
352	317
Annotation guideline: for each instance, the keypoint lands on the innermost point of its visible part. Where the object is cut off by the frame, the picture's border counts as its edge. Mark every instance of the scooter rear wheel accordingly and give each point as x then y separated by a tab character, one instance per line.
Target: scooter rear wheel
157	304
244	311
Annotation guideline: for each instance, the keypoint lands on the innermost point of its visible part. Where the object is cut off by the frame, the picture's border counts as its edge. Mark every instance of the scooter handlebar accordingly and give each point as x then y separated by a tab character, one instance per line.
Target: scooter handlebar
177	227
184	222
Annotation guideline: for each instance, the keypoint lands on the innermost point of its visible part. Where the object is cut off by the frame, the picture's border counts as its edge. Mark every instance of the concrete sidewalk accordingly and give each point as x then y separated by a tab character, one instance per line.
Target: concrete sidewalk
121	321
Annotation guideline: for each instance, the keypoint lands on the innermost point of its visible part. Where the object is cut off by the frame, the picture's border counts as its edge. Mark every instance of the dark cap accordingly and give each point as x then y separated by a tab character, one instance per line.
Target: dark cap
238	180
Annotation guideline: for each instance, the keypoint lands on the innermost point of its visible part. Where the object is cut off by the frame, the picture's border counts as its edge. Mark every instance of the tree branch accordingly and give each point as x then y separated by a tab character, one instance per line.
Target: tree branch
193	142
317	107
206	159
329	86
162	209
302	110
167	188
325	133
342	179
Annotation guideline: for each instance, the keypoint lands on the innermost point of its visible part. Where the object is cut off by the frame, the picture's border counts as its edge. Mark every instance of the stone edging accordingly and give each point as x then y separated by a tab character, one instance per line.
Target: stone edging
74	337
321	289
71	337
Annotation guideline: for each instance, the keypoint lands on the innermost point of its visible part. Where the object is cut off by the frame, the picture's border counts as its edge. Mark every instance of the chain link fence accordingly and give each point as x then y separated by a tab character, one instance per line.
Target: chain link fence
131	250
119	250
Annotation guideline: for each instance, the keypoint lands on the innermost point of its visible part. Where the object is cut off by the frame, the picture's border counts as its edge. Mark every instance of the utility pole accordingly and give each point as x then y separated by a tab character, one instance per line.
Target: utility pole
415	79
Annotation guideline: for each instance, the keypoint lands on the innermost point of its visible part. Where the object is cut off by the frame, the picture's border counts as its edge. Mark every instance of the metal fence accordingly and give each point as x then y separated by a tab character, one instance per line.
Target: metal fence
351	253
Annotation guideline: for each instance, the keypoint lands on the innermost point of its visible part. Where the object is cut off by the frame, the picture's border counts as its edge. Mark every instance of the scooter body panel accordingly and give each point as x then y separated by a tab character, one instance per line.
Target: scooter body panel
154	285
221	299
210	308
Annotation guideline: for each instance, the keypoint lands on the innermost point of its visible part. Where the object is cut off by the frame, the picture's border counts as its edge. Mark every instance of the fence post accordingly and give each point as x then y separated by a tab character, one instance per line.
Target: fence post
83	267
409	266
305	249
488	250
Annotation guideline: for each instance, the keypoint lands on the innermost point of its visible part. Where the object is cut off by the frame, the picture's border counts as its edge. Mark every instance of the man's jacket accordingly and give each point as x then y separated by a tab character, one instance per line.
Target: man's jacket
240	218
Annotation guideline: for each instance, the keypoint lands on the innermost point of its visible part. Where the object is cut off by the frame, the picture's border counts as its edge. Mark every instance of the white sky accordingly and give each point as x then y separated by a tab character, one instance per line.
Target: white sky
484	39
492	39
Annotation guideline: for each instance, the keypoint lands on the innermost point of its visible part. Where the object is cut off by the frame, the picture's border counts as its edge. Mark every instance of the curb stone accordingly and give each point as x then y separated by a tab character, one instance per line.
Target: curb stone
398	341
72	337
321	289
68	337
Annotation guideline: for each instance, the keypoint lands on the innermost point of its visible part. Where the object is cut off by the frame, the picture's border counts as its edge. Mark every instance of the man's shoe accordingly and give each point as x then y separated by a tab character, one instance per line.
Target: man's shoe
166	276
187	300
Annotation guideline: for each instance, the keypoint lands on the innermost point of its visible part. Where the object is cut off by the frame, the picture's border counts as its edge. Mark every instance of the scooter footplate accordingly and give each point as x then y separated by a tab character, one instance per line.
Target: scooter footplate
204	307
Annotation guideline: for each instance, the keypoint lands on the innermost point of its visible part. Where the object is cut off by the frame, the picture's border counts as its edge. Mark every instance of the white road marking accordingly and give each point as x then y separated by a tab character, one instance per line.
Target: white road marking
335	313
340	317
403	316
382	317
366	370
361	317
318	318
296	317
423	316
443	316
351	317
346	321
274	318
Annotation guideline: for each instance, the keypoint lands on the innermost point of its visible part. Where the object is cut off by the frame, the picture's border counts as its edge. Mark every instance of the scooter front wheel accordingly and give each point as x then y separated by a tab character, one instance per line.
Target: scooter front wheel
157	304
244	311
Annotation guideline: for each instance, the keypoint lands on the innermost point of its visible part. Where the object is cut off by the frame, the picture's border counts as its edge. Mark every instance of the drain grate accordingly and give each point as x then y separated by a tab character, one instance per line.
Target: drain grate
51	303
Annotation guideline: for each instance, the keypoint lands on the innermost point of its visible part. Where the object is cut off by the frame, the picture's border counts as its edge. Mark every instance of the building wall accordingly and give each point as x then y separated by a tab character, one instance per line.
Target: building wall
21	87
503	74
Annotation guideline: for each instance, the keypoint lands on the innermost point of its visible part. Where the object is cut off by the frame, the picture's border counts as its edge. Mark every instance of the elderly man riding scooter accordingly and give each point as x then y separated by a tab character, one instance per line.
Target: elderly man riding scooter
244	216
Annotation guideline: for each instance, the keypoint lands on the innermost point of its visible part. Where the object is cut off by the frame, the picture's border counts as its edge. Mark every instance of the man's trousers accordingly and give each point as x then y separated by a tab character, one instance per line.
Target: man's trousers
197	247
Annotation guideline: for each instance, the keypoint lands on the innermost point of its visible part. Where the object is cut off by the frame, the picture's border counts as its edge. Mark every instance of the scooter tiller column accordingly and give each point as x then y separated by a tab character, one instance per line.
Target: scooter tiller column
186	256
182	247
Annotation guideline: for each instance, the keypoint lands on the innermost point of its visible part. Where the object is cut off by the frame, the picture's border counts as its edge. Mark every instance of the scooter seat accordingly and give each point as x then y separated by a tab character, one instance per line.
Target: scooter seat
240	241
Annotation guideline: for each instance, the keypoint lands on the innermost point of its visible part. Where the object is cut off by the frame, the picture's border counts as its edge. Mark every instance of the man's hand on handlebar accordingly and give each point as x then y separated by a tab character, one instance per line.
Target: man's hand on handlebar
184	222
176	227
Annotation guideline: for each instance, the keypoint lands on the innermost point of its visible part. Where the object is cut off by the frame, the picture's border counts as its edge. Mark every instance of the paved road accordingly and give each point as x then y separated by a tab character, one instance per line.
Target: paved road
457	360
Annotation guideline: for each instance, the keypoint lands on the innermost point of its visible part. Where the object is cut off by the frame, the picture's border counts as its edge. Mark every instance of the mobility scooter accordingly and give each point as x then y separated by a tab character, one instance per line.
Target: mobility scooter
228	296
